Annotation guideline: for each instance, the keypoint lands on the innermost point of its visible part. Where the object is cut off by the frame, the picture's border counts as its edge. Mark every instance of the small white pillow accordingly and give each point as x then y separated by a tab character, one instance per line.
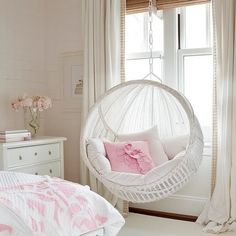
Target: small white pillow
97	155
175	145
146	135
155	146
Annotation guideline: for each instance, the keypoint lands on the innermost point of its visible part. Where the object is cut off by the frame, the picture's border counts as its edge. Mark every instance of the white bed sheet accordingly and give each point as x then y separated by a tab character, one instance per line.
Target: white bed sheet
40	205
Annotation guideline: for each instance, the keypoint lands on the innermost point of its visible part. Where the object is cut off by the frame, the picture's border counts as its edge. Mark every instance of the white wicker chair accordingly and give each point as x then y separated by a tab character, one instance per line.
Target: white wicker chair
124	109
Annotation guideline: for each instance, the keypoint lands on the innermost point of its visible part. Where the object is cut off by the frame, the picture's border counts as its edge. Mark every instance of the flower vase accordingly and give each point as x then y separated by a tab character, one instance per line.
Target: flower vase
31	120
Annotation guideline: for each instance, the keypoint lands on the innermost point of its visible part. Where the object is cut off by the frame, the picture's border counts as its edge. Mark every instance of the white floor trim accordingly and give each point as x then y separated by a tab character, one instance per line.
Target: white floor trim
179	204
142	225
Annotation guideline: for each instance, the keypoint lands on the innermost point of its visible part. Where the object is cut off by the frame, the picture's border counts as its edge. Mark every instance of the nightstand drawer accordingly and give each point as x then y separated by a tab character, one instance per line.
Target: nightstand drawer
17	157
51	169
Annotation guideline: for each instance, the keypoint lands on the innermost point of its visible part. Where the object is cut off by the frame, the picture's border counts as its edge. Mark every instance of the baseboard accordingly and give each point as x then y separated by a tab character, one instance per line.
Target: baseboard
176	204
163	214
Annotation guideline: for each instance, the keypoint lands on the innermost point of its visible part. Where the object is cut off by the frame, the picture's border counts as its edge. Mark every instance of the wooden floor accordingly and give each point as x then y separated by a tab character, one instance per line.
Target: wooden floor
142	225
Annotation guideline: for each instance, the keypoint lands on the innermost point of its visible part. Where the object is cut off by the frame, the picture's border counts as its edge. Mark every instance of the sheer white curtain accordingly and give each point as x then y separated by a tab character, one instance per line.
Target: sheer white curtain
220	213
102	57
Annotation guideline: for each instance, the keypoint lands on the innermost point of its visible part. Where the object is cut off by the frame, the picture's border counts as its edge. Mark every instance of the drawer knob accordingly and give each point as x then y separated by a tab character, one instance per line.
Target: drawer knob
20	158
50	171
49	152
35	153
36	173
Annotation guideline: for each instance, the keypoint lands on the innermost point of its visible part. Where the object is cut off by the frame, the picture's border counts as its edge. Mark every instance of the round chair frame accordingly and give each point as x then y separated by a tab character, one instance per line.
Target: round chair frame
158	188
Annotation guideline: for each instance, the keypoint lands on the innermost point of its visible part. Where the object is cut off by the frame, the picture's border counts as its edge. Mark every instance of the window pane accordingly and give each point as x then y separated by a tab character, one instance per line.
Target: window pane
198	84
137	69
137	32
196	26
158	32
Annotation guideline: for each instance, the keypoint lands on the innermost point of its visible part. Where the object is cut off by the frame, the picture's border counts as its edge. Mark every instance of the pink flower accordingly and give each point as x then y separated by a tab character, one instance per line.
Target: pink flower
47	103
43	103
27	102
7	228
39	103
15	105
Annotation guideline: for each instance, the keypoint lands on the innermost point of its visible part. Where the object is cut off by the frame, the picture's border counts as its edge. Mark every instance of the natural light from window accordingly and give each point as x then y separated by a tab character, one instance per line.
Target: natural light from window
137	32
196	26
198	88
137	69
193	74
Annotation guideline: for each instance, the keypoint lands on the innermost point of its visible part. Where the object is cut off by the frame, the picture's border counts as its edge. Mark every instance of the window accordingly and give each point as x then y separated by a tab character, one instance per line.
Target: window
137	45
182	53
195	63
195	25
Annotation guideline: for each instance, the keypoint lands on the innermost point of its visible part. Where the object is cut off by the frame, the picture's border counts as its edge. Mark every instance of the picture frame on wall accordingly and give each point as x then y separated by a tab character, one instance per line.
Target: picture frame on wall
72	81
76	80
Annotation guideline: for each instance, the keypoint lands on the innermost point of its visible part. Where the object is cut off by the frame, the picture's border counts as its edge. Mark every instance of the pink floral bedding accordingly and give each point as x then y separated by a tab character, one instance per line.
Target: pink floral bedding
34	205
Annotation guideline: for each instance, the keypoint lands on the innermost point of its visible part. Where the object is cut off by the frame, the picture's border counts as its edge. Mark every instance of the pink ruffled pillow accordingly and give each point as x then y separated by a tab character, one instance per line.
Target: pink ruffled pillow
131	157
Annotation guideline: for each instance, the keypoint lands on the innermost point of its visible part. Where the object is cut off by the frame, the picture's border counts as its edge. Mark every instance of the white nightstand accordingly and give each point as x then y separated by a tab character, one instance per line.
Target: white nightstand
39	156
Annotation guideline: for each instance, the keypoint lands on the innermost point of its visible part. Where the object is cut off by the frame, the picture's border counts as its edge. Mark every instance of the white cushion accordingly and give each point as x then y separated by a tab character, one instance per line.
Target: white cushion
175	145
180	155
154	175
155	146
97	155
146	135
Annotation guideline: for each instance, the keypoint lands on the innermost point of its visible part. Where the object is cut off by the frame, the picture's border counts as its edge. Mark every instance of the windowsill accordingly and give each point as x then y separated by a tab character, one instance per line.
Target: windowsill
207	144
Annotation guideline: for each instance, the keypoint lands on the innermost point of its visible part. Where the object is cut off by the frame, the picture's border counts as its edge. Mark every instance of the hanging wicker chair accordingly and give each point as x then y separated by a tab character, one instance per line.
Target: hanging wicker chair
135	106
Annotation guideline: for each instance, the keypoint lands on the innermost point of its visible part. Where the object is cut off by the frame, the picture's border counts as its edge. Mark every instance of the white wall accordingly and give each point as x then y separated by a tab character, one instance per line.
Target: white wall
63	35
22	55
33	36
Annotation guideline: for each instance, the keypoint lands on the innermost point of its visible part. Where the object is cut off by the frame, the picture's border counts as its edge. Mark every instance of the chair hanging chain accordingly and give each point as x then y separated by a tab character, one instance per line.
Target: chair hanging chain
150	6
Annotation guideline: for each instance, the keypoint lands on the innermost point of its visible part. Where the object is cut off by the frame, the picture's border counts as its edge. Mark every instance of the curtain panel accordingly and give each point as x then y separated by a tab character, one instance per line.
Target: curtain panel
103	67
219	214
135	6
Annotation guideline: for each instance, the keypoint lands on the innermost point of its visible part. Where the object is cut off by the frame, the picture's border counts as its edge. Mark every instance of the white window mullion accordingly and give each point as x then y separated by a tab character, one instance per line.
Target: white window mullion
180	71
170	48
208	25
143	55
182	12
146	32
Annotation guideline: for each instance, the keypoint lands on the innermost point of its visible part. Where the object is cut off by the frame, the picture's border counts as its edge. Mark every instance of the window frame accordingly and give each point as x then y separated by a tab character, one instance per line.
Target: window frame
186	53
145	54
182	12
173	63
156	54
183	52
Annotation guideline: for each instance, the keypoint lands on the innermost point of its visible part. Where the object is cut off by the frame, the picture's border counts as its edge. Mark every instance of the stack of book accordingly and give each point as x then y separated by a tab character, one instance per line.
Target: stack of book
14	136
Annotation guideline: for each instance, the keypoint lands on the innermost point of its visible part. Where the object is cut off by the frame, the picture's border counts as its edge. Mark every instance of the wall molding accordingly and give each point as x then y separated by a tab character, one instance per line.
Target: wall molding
163	214
187	197
175	204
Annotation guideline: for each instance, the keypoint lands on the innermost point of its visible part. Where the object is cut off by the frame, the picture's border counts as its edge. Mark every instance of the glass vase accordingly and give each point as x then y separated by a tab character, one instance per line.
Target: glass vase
31	120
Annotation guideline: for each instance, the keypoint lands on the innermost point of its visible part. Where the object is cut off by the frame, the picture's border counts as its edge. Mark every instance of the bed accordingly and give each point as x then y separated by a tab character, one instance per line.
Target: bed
41	205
